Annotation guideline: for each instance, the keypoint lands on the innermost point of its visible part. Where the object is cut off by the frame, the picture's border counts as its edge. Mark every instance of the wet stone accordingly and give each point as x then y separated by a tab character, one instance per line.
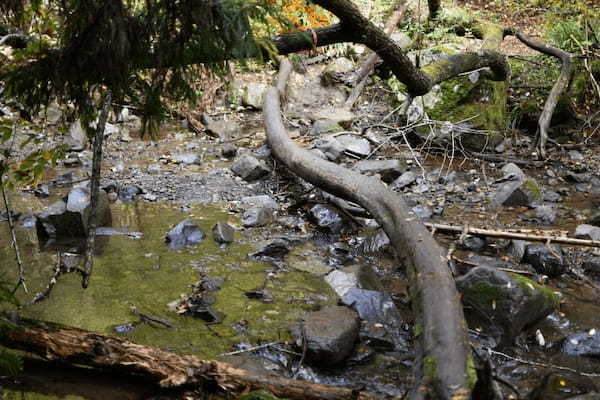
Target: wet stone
229	151
328	218
545	215
223	232
375	243
406	179
586	344
514	193
338	253
588	232
184	234
372	305
257	216
129	192
546	260
473	243
594	220
592	267
273	250
423	212
249	167
552	196
503	304
387	169
42	191
329	334
341	282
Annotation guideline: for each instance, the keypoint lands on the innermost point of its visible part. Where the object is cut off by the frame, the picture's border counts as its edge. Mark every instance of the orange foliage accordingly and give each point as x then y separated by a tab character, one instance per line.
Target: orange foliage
301	15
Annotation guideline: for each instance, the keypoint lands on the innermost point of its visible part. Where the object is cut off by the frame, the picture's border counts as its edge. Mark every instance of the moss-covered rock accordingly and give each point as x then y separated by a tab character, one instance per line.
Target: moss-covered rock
503	304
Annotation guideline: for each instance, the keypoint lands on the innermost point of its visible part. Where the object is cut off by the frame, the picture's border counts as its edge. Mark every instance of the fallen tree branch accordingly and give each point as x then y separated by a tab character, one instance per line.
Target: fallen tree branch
362	75
81	347
511	235
441	367
558	89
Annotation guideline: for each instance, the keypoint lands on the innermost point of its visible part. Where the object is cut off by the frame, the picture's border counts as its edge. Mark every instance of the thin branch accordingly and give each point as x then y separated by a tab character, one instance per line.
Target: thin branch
95	192
14	243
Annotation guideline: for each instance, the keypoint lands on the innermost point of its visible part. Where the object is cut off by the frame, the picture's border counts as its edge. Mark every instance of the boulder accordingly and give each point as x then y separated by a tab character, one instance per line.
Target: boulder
513	193
249	167
357	146
504	304
76	138
589	232
331	148
253	94
68	217
388	170
129	192
223	232
546	260
329	219
184	234
404	180
224	130
329	334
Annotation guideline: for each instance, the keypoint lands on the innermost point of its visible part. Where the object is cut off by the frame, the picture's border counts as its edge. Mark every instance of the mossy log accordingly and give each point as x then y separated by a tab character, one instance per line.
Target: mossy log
443	339
80	347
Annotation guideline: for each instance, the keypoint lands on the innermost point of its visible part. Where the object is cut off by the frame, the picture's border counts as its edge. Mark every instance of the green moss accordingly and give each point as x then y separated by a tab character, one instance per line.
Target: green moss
533	188
430	367
471	373
484	294
531	286
418	330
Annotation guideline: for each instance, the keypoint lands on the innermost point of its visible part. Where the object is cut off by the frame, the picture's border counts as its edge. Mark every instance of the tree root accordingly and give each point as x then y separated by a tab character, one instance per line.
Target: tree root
441	371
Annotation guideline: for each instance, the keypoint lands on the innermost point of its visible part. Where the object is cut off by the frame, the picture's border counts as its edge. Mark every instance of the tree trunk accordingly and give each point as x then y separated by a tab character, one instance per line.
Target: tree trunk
440	329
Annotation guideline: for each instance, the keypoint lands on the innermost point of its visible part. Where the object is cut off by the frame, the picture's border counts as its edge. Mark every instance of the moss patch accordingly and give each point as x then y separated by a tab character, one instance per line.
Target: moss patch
530	286
430	367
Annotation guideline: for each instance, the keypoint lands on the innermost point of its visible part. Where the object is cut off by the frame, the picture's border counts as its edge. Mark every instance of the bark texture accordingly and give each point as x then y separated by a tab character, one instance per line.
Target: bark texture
80	347
441	331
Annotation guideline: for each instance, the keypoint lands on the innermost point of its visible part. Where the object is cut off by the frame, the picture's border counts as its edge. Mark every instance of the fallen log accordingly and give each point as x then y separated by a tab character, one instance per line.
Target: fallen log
81	347
441	369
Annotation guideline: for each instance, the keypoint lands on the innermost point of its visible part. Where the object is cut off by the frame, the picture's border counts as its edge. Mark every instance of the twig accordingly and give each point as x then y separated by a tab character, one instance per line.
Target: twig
94	192
151	318
14	243
513	235
538	364
249	349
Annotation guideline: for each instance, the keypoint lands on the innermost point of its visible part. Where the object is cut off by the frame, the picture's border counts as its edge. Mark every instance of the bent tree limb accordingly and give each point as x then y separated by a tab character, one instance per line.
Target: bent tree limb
81	347
442	370
558	89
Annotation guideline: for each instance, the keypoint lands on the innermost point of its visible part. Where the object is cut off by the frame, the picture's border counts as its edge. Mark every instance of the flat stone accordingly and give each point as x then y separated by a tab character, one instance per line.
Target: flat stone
355	145
224	130
341	282
325	126
387	169
404	180
331	148
253	94
589	232
187	158
257	216
340	116
184	234
262	200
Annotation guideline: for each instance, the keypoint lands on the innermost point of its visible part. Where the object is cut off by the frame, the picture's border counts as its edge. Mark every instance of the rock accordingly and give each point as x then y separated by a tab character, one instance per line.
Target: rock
76	138
249	167
588	232
129	192
68	217
329	219
355	145
401	39
263	200
517	249
473	243
551	196
545	215
223	232
586	344
387	169
575	155
512	172
224	130
517	193
253	95
263	153
42	191
372	305
406	179
336	72
324	126
340	116
229	150
184	234
504	303
331	147
341	282
187	158
329	335
594	220
546	260
375	243
273	251
292	222
560	386
423	212
257	216
592	267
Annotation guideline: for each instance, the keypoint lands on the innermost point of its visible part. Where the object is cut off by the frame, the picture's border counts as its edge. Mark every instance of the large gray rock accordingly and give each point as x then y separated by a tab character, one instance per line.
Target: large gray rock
249	167
340	116
387	169
329	334
187	158
185	233
514	193
504	304
257	216
589	232
357	146
253	94
68	217
329	219
223	232
546	260
406	179
76	138
221	129
331	147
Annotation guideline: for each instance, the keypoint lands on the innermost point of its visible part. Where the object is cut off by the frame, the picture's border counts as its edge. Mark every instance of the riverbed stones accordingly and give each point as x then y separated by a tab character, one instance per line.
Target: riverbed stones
329	334
588	232
129	192
545	214
253	94
328	218
249	167
586	344
223	232
516	189
546	260
76	139
503	304
261	200
375	243
187	159
388	170
331	147
222	129
68	217
185	233
356	146
404	180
